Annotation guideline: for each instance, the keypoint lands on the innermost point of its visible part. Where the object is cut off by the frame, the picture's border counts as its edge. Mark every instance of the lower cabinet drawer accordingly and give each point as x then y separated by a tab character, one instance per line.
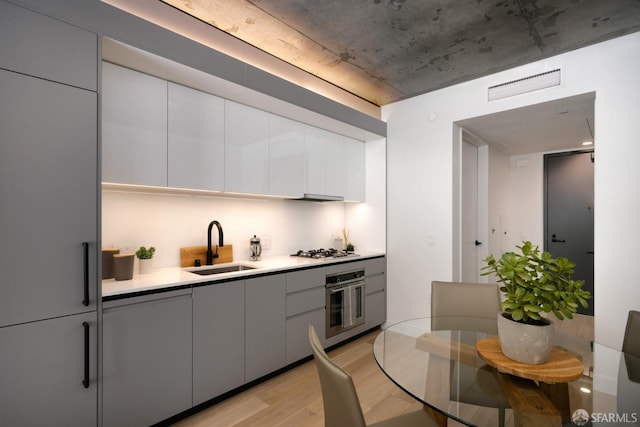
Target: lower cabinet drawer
298	346
375	309
301	302
375	283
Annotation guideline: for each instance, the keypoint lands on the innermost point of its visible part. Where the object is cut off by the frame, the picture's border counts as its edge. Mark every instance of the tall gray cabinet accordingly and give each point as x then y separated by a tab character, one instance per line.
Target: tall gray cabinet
48	221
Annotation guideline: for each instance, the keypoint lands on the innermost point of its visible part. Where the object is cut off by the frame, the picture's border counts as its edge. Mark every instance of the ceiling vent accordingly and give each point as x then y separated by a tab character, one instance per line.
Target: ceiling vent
525	85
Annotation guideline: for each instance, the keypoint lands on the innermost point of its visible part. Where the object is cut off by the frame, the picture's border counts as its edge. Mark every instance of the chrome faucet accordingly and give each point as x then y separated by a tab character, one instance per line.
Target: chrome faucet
210	254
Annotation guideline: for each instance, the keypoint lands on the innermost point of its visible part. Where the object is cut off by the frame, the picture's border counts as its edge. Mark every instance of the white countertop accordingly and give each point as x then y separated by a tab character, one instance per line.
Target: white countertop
175	276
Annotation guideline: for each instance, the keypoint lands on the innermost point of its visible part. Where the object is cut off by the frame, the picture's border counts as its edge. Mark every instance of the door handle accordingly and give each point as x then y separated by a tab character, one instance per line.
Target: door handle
478	243
86	380
553	239
85	255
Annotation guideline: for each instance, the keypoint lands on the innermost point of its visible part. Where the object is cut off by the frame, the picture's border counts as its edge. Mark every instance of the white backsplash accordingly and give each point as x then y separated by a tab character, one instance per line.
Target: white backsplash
170	221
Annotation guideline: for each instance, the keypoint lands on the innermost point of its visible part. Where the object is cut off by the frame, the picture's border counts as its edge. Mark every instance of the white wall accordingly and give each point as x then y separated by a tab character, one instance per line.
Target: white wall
526	200
367	221
420	169
169	222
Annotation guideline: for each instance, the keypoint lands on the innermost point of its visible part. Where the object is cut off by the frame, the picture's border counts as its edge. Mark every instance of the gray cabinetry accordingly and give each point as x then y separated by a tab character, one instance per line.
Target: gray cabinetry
42	368
48	221
265	327
375	293
48	170
147	359
218	339
43	47
305	305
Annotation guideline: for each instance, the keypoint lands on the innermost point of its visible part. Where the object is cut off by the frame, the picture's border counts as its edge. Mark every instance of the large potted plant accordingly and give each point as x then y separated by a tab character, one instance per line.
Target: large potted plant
533	283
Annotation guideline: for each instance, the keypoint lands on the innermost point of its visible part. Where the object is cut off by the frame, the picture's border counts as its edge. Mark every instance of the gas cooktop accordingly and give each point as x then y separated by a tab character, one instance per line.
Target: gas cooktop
323	253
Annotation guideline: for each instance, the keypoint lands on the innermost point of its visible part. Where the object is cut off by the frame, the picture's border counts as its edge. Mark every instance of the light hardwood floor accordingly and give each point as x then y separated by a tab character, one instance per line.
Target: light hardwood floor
294	397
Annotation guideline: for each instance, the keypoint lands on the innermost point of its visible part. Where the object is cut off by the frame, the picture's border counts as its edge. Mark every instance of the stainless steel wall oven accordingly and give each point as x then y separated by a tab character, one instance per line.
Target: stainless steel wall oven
345	301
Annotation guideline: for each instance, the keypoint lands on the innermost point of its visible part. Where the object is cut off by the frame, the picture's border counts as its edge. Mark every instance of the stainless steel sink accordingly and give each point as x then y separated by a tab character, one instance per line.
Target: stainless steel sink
222	269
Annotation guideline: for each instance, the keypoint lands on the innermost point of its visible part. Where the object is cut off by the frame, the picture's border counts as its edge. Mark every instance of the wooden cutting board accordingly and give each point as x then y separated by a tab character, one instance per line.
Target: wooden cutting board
190	254
561	367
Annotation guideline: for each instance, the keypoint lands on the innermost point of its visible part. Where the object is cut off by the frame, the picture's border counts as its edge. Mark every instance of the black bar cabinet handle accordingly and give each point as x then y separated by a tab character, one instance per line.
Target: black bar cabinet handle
85	381
85	254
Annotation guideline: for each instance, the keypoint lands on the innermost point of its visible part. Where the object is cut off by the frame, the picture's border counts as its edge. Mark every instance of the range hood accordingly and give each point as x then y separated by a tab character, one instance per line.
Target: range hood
321	198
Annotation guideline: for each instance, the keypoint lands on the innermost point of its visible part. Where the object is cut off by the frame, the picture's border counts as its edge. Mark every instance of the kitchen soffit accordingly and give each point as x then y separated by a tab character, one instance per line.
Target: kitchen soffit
387	50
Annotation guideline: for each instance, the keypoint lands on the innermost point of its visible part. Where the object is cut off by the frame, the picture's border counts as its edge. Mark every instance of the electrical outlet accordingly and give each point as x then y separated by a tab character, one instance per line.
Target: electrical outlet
265	241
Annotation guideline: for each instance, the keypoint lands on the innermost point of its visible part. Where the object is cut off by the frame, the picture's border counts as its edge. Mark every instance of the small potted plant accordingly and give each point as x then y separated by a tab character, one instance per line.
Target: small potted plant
533	283
145	256
350	247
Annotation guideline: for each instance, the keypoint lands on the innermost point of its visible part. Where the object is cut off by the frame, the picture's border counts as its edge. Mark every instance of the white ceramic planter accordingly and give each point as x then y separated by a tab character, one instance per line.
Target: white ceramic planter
525	343
145	266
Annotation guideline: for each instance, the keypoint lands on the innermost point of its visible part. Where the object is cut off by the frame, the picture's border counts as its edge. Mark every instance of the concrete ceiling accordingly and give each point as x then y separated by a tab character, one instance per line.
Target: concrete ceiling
387	50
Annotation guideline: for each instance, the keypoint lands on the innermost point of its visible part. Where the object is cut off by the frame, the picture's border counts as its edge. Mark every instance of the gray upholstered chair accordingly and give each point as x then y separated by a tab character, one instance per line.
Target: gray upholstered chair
465	306
631	341
471	307
341	403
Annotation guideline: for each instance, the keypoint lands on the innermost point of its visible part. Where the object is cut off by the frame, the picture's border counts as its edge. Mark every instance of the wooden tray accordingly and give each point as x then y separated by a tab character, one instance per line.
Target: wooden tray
190	254
561	367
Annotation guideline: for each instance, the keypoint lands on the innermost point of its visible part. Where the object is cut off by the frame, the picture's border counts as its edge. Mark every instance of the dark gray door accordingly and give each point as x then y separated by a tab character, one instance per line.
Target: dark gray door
569	213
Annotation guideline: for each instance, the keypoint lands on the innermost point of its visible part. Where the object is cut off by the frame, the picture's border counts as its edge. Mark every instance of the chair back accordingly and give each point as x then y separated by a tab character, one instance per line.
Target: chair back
631	341
465	306
341	404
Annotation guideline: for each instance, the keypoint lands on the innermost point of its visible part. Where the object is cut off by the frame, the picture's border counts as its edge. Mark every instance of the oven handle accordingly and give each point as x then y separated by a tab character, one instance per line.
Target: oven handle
342	285
337	289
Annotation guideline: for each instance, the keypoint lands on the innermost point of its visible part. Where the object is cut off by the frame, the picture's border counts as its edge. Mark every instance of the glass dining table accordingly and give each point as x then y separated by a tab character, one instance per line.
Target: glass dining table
441	368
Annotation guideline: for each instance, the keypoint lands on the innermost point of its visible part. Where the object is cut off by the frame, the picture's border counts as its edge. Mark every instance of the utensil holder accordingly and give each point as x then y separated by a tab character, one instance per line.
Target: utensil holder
107	262
123	266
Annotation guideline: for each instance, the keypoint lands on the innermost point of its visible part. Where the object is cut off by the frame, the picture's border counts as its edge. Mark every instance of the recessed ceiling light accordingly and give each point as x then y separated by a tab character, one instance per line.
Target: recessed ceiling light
587	143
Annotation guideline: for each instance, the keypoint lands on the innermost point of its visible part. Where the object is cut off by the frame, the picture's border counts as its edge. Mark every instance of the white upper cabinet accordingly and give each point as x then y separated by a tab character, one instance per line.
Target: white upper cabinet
334	165
286	157
315	160
195	139
159	133
134	127
355	169
246	167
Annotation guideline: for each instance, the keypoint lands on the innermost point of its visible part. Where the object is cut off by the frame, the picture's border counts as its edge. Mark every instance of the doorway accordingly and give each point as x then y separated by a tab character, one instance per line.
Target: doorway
531	131
568	213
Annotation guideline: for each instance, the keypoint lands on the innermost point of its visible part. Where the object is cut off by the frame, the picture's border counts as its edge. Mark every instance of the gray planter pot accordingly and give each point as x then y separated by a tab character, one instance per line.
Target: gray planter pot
524	343
123	266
